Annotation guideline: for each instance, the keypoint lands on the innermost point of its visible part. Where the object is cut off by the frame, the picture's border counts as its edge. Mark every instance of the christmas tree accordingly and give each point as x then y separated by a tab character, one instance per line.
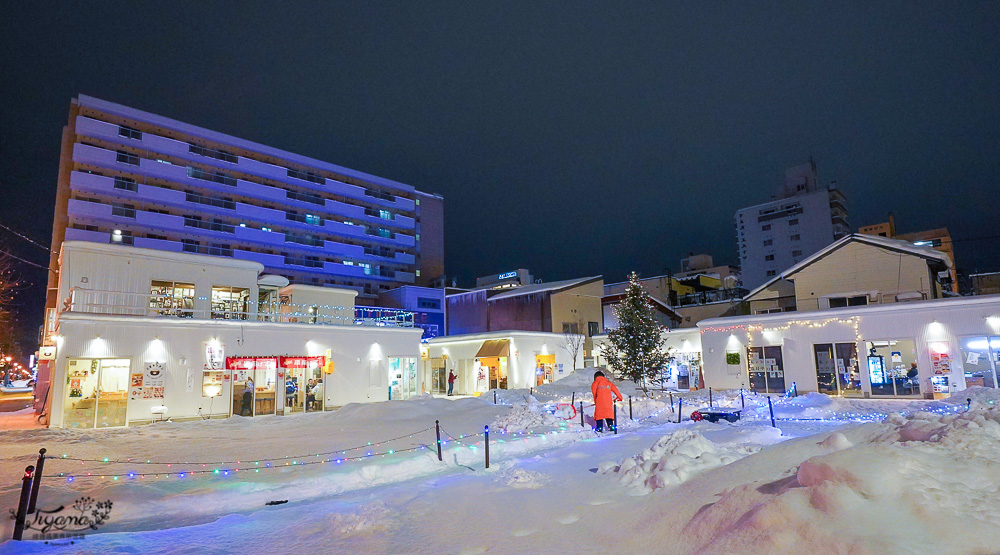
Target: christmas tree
636	349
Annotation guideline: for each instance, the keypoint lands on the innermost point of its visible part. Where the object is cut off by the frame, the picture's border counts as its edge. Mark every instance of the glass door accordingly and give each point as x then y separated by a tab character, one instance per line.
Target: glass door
892	367
80	399
295	394
767	370
243	388
112	393
314	389
265	382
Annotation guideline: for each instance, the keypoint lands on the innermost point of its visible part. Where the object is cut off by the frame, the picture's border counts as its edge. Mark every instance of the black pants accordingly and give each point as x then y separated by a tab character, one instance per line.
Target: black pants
600	424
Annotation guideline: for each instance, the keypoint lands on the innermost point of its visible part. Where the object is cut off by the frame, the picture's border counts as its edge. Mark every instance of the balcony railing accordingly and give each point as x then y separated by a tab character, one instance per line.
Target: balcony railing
211	226
120	303
713	296
224	203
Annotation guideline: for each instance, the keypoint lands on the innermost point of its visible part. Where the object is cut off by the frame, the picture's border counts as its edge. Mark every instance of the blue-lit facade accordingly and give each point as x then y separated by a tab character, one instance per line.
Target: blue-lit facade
135	178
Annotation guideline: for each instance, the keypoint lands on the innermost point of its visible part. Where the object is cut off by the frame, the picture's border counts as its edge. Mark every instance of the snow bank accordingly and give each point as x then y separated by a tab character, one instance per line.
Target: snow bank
672	460
526	417
925	483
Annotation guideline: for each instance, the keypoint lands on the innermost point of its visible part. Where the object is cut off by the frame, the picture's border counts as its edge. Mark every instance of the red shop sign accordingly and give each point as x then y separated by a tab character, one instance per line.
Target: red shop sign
251	363
302	362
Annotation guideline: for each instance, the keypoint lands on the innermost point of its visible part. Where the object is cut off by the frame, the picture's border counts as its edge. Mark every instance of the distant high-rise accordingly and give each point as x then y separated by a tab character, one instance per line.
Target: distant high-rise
801	219
134	178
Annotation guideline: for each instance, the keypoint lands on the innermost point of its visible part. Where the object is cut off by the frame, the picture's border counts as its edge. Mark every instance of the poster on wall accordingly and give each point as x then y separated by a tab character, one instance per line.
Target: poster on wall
153	380
135	390
189	380
215	355
940	362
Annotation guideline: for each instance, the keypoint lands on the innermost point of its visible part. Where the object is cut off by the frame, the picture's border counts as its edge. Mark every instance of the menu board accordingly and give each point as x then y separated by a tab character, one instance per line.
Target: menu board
148	384
940	363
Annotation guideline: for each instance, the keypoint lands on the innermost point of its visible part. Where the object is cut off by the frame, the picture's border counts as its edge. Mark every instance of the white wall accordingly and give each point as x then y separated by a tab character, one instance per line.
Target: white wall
180	343
944	320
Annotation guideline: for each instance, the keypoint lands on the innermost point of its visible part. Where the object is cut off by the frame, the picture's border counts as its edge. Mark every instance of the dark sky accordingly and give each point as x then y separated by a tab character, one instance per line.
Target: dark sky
571	138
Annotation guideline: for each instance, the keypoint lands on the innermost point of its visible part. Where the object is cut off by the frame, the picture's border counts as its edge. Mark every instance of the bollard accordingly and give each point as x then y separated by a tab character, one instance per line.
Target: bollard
710	397
614	421
743	404
22	504
680	401
671	401
630	417
487	446
437	428
770	408
494	397
582	425
573	401
795	390
531	391
37	481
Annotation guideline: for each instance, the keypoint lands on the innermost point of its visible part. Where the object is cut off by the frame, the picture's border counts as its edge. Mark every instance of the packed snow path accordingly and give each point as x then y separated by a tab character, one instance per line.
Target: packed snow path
540	494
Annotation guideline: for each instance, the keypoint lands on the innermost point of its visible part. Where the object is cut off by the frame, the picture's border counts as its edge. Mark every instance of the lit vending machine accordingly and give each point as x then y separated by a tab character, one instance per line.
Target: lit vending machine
881	384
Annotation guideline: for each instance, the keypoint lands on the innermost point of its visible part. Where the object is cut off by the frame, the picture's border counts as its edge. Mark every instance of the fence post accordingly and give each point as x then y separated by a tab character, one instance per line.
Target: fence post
22	504
615	414
743	404
582	425
968	404
680	402
437	428
487	446
38	480
671	401
630	417
770	409
710	397
573	401
494	396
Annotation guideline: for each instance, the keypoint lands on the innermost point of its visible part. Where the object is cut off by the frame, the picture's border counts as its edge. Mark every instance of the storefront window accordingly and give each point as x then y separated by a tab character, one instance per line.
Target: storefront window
170	298
230	303
767	370
96	393
545	368
254	381
402	377
892	368
837	368
981	360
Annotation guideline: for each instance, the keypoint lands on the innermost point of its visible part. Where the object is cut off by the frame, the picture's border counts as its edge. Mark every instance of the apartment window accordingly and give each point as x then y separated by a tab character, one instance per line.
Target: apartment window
769	258
171	298
418	273
215	177
771	273
157	237
379	251
126	184
571	327
129	132
305	197
793	221
218	202
765	227
306	176
795	237
307	261
122	237
383	232
127	158
303	239
379	213
768	242
211	153
841	302
380	195
796	253
230	303
123	210
593	328
434	304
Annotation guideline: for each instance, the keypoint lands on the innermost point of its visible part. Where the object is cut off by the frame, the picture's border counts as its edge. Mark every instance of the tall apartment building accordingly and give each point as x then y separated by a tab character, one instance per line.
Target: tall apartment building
134	178
800	220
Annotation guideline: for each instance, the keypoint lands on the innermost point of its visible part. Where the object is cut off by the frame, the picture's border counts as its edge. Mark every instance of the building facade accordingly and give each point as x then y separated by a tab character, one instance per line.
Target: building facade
129	177
938	239
802	219
142	335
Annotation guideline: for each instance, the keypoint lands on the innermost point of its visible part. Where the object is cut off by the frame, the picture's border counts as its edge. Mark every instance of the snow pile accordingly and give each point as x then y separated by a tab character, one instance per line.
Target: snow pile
672	460
520	478
980	396
924	483
525	417
371	518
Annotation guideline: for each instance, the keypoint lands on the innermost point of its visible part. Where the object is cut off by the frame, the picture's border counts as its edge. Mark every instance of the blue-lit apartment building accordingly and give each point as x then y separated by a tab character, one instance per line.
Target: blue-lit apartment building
135	178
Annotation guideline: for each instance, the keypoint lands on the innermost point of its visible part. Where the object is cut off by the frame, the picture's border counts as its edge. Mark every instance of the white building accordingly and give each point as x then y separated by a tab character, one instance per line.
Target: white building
499	360
142	335
684	371
862	351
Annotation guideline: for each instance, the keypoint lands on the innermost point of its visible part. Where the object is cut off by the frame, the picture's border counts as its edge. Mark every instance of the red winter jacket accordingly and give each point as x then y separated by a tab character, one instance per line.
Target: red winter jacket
604	391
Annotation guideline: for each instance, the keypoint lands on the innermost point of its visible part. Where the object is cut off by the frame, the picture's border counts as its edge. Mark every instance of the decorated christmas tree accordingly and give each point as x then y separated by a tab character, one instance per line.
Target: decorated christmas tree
636	349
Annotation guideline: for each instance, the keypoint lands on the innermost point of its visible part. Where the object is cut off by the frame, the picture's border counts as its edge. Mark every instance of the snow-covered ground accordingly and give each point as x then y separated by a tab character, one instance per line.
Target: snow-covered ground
836	476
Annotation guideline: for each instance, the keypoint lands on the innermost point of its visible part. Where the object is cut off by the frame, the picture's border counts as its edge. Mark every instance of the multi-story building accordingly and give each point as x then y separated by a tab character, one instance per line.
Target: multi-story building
801	219
938	239
129	177
504	280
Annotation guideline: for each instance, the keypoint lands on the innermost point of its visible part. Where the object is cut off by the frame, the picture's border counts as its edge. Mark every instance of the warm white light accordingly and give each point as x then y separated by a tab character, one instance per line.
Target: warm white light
940	347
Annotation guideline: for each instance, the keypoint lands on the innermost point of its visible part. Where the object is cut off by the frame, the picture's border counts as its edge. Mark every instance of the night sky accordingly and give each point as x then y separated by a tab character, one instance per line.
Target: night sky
573	139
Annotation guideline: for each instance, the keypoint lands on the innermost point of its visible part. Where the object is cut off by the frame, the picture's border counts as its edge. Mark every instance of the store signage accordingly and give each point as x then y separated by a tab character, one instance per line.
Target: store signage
507	275
251	363
47	353
302	362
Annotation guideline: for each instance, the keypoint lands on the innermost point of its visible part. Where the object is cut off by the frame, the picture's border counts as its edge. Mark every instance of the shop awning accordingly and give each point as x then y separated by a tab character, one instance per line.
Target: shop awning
494	348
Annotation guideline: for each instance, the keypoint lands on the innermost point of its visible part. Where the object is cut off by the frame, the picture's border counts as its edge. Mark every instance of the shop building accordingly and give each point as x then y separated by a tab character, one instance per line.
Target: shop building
497	360
684	371
913	349
142	335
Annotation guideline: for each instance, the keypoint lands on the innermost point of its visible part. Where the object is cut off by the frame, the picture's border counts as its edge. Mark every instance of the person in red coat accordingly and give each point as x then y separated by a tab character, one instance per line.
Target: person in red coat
605	393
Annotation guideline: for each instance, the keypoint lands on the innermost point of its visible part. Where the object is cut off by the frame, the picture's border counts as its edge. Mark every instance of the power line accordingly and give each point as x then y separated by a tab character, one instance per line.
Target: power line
5	253
26	238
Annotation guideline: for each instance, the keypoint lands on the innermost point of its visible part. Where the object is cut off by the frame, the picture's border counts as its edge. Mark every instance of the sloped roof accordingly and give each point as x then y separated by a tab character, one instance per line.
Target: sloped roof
896	245
657	303
550	287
